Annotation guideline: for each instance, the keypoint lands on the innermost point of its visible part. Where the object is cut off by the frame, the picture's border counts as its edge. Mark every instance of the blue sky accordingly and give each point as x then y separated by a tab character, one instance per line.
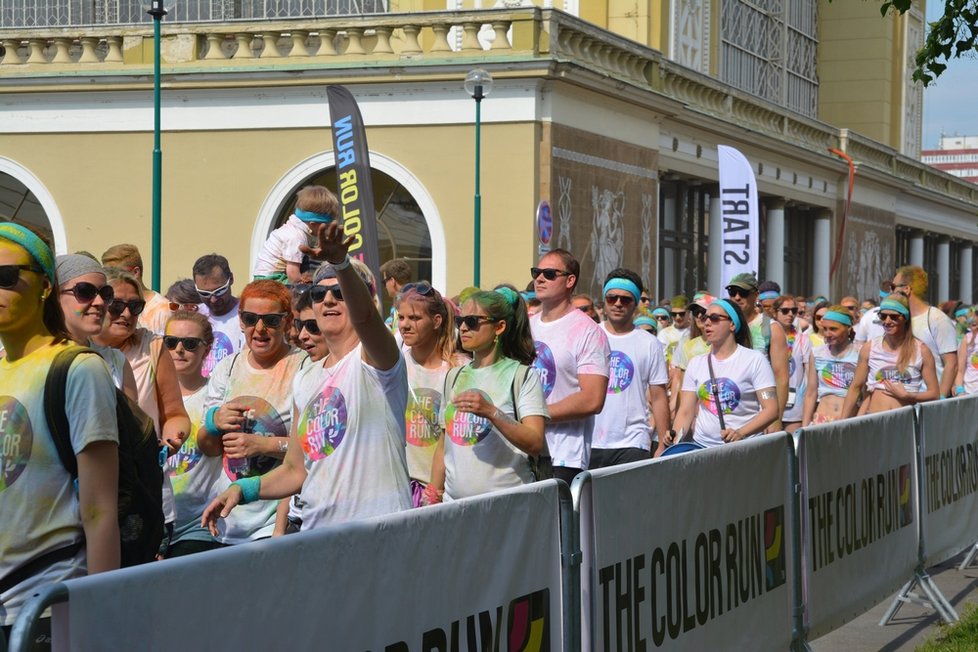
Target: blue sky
949	102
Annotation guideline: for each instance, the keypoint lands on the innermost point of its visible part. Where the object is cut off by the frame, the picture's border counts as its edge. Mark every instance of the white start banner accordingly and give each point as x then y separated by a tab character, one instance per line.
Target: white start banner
691	552
859	533
481	573
738	207
949	477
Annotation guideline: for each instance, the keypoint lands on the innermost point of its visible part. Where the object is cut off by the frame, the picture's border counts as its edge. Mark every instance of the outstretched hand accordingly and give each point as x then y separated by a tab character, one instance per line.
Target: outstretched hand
332	243
220	507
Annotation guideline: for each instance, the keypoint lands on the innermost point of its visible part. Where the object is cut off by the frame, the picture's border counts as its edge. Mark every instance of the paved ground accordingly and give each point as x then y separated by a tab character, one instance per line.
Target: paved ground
912	625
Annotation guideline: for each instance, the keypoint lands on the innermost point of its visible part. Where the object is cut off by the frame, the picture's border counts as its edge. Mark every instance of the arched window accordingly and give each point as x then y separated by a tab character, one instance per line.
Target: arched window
18	204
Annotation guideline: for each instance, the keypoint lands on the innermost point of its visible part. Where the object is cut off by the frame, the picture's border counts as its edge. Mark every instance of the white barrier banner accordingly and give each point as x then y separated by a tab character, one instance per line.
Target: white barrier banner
482	573
738	206
691	552
949	477
859	534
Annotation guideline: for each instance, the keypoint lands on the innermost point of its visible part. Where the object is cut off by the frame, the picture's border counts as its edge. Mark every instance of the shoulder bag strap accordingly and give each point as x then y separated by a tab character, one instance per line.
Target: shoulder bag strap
716	391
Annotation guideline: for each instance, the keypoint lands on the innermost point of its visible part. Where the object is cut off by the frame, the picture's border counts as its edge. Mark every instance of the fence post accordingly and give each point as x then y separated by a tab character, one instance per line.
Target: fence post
24	629
798	637
570	568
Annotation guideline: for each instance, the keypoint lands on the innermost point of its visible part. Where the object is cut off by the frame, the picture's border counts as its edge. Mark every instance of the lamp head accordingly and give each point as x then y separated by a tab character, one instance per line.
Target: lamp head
478	84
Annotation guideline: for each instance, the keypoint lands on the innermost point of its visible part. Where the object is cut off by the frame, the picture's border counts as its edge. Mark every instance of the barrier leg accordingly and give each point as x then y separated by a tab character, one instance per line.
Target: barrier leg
570	553
23	631
932	598
969	558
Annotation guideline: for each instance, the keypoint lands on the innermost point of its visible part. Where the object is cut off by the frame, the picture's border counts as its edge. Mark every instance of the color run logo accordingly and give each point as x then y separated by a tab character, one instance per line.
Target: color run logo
421	417
775	573
622	371
894	375
838	375
792	365
185	459
546	367
529	622
727	390
466	428
974	359
262	419
323	424
16	437
221	349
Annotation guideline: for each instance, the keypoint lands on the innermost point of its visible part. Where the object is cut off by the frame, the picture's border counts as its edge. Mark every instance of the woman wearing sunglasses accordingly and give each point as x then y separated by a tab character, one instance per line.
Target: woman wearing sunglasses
52	529
492	426
895	369
248	410
730	390
799	350
347	456
188	338
831	367
689	346
84	293
966	379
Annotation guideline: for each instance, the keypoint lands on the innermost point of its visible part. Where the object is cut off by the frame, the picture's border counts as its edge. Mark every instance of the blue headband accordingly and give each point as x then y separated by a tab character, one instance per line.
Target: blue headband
644	321
770	294
39	251
961	312
731	312
661	311
619	283
309	216
512	297
890	304
840	317
883	294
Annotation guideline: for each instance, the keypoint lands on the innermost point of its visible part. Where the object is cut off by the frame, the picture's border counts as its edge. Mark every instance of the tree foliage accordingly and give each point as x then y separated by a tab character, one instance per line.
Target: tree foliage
954	34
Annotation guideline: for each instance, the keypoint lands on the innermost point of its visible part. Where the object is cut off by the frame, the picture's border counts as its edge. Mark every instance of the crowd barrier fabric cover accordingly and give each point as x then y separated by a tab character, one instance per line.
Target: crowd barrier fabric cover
858	513
482	573
692	552
949	477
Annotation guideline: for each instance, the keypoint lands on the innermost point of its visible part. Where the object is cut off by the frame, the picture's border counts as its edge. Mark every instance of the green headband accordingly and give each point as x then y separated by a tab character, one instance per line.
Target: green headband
39	251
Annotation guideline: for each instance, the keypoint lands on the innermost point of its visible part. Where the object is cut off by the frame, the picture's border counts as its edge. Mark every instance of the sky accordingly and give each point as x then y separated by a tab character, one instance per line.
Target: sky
949	102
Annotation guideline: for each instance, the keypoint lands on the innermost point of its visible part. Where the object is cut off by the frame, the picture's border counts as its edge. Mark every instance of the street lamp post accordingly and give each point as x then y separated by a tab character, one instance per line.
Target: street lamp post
478	84
157	11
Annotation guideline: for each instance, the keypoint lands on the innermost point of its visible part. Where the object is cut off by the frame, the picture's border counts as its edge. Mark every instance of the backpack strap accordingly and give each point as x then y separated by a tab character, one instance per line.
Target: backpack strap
450	379
55	400
766	334
519	378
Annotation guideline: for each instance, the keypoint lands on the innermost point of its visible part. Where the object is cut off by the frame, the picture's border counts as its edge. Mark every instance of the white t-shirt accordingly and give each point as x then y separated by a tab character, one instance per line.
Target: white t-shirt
228	338
192	475
971	364
835	374
883	366
38	500
282	247
268	393
799	349
115	359
566	348
351	432
936	330
738	378
421	417
154	316
637	362
479	458
869	326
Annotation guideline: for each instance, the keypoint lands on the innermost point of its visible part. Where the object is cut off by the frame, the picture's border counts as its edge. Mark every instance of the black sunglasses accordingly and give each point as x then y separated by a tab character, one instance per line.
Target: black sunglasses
472	322
10	274
697	312
318	292
270	319
788	311
623	299
189	343
738	292
86	292
549	273
309	324
117	306
678	314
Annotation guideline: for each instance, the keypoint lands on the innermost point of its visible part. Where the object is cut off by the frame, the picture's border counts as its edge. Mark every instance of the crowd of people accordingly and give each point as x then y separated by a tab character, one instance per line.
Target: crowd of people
297	403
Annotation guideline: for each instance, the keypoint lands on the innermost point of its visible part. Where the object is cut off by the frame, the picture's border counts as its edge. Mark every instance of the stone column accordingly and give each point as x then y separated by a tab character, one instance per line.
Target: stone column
774	249
822	253
943	269
967	258
917	249
667	281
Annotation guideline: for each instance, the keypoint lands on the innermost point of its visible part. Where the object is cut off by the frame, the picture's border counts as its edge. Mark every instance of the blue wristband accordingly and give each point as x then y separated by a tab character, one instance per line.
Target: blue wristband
959	390
250	488
209	424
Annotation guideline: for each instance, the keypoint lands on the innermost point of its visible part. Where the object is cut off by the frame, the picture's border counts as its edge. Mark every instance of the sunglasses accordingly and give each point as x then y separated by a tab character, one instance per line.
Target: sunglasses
738	292
10	274
645	300
697	312
890	316
86	292
219	292
309	324
716	319
421	287
623	299
788	311
549	273
318	292
117	306
189	307
849	308
189	343
472	322
270	319
678	314
662	318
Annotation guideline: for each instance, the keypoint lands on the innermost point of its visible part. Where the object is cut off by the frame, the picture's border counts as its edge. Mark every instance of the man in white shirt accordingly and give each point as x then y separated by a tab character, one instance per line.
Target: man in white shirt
213	280
930	325
572	360
637	380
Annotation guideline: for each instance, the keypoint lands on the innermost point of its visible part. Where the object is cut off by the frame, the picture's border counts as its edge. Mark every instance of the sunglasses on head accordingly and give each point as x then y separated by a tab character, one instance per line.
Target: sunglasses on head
788	311
270	319
472	322
219	292
309	324
549	273
117	306
738	292
189	307
189	343
10	274
318	292
623	299
421	287
86	292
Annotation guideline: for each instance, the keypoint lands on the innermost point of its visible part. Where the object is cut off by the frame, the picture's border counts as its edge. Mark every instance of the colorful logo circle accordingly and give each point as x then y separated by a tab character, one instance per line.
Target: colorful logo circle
546	367
792	365
622	371
838	375
974	359
910	377
421	417
262	419
465	428
323	424
221	349
185	459
728	392
16	439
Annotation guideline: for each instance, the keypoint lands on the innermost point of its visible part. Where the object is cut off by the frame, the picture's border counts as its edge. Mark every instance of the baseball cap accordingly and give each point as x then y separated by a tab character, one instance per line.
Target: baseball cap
745	281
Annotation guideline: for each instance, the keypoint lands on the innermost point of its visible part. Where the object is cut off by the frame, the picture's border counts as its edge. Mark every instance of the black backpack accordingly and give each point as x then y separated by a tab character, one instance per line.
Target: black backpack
140	472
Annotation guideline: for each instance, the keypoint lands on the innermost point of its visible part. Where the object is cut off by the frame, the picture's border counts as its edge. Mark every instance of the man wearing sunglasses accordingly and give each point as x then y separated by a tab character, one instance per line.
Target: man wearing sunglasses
572	360
671	334
127	258
637	380
213	280
396	274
